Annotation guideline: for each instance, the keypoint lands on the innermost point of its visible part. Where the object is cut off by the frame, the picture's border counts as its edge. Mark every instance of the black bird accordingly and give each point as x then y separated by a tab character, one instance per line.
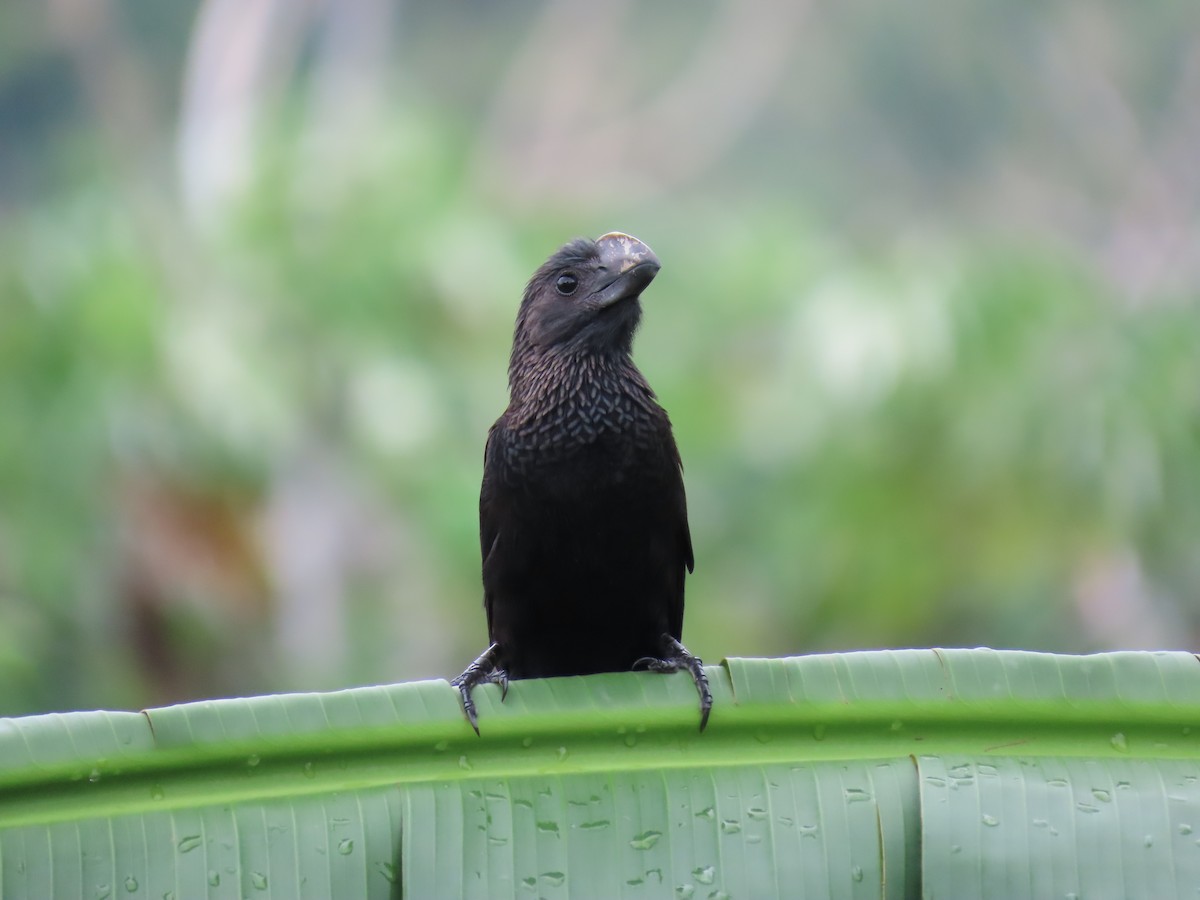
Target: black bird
582	515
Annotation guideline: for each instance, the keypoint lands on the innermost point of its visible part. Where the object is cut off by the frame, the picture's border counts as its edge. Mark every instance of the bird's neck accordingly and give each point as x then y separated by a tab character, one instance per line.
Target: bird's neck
594	388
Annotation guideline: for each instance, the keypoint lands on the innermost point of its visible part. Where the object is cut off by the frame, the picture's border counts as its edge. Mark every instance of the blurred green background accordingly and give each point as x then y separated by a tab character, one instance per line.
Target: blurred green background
927	323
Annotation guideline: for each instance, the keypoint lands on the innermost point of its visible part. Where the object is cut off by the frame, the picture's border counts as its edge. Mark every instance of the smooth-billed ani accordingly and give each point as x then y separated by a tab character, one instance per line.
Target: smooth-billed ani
582	516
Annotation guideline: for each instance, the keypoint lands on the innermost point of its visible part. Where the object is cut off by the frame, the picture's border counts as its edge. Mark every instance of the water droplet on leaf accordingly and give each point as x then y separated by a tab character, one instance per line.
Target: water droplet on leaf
645	840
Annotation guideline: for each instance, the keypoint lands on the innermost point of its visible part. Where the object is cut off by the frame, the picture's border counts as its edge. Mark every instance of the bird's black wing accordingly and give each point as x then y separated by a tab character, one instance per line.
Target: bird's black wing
679	504
491	505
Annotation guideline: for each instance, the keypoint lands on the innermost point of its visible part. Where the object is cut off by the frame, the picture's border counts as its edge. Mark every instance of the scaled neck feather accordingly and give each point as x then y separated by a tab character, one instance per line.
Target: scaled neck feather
586	393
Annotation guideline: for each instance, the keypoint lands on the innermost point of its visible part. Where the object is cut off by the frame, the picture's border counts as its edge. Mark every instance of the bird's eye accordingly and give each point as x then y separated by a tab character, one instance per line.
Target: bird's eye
566	284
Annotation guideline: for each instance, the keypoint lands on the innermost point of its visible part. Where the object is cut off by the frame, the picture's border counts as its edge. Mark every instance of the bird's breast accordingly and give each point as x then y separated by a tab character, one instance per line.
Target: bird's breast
584	421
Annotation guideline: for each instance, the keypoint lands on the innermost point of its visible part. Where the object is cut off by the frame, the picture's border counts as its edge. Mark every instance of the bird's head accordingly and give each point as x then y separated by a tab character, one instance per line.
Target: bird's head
585	297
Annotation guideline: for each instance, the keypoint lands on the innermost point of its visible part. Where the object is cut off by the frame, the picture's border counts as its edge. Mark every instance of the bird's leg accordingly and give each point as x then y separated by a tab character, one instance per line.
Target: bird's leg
484	670
675	657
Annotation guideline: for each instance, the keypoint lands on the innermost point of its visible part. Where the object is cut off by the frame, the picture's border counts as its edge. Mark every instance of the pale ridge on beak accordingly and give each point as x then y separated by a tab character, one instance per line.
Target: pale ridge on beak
622	252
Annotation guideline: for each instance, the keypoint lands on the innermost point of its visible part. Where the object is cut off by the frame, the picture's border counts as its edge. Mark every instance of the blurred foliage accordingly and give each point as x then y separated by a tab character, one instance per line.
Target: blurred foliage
240	450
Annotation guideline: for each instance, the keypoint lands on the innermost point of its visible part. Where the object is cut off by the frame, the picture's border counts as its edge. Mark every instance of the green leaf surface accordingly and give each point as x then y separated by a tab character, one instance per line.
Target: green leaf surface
808	830
1046	827
960	773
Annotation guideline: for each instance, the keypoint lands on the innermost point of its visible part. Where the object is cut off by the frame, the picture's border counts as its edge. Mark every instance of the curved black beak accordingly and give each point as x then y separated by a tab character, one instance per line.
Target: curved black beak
629	263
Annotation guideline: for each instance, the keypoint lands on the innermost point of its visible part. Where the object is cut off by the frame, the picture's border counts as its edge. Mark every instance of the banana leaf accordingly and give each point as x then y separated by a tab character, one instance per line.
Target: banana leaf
915	773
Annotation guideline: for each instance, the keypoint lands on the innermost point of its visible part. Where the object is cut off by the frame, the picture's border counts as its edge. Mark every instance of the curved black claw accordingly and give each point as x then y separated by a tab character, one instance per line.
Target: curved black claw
675	657
484	670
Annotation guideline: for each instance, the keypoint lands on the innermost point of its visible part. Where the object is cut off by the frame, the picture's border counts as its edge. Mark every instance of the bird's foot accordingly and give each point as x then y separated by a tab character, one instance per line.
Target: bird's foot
484	670
675	657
